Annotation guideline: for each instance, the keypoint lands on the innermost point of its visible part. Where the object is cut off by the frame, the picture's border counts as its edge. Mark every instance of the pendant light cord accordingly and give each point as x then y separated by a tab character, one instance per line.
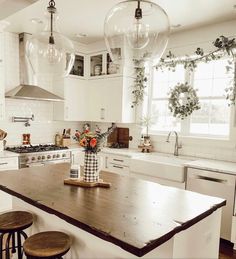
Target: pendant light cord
52	10
138	4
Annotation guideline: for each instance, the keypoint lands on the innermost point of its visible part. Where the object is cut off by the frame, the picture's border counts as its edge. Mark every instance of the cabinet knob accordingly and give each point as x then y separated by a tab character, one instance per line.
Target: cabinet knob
102	117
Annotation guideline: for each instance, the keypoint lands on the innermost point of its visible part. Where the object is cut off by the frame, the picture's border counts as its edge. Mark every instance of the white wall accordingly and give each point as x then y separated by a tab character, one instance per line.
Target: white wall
43	129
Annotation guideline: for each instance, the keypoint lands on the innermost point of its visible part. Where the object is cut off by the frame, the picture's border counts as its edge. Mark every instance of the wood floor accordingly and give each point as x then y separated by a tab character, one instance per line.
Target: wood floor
226	250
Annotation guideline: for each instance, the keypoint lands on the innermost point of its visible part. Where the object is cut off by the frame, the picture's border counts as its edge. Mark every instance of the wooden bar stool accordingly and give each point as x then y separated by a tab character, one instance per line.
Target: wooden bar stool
12	225
49	244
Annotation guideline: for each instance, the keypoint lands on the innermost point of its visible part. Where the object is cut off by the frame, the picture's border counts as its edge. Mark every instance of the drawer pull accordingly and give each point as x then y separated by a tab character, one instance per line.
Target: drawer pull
118	160
206	178
120	167
5	163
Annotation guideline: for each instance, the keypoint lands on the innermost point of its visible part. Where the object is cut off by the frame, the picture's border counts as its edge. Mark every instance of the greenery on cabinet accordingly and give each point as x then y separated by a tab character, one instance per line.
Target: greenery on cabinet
224	47
139	85
183	100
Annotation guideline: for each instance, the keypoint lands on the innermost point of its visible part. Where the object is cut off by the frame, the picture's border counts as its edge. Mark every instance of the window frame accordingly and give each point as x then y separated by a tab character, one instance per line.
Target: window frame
185	124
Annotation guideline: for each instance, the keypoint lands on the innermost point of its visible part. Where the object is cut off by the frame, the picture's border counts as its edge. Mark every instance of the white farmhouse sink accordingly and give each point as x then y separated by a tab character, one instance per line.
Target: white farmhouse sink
161	166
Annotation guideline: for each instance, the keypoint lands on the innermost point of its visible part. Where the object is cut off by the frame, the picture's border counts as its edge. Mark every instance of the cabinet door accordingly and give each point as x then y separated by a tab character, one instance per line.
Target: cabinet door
8	163
97	105
76	102
106	99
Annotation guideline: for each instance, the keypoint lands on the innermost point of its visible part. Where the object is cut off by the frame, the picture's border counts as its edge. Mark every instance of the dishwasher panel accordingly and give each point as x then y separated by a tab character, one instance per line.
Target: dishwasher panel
219	185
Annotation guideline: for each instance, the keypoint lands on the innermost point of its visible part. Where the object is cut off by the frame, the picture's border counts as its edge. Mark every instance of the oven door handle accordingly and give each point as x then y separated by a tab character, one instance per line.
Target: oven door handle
34	164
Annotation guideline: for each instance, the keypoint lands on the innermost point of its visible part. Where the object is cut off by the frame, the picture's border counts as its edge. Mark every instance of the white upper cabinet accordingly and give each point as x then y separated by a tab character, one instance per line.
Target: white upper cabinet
109	100
75	105
95	90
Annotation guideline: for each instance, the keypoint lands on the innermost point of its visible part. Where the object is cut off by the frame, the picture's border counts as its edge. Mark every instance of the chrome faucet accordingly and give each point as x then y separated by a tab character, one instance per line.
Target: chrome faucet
177	145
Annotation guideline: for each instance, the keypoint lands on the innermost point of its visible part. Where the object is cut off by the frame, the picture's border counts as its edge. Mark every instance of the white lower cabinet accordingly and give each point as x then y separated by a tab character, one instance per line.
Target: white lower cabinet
7	163
116	164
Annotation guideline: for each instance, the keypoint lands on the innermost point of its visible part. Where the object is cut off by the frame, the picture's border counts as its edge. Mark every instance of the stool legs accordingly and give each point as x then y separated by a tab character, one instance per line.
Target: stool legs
1	243
11	238
7	249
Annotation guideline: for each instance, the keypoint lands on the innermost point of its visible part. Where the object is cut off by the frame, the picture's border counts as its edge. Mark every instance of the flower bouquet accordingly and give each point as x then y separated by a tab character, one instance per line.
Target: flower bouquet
92	144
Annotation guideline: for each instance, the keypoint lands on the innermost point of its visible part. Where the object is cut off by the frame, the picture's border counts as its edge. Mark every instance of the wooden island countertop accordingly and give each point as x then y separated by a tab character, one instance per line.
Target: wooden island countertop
134	214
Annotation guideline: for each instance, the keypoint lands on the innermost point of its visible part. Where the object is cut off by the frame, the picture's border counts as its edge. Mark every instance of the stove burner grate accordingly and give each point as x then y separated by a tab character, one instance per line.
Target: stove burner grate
35	148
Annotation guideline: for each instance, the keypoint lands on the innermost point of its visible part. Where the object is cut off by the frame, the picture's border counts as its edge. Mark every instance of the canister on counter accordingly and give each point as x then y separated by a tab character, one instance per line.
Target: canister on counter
57	139
75	172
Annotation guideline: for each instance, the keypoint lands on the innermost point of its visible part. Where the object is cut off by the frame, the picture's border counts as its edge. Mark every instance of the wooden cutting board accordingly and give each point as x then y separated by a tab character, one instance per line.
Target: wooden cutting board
81	183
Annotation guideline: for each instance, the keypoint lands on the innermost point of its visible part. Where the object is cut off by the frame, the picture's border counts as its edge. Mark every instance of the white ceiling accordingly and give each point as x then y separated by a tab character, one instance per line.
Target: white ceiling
87	16
8	7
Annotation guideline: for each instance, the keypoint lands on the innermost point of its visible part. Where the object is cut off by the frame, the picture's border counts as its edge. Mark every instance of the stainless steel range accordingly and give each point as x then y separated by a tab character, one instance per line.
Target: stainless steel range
39	155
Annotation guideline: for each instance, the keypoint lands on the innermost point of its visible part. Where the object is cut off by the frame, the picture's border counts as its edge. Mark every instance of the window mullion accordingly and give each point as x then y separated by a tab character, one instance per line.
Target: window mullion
185	124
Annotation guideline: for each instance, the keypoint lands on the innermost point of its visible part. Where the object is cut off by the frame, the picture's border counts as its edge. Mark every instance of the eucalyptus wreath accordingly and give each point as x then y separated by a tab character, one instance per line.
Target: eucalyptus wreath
190	103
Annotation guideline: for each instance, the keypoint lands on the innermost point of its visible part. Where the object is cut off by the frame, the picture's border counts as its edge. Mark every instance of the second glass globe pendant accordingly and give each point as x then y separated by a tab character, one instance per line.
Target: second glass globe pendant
139	30
50	52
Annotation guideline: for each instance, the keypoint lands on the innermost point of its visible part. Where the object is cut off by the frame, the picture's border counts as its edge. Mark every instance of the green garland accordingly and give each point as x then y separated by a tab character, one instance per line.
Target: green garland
140	83
224	46
190	104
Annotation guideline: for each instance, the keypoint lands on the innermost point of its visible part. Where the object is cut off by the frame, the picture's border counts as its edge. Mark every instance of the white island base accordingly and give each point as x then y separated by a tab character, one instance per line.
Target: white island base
199	241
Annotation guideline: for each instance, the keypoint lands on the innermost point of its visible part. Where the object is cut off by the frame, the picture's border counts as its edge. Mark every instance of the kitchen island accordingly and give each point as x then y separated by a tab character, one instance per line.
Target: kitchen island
132	218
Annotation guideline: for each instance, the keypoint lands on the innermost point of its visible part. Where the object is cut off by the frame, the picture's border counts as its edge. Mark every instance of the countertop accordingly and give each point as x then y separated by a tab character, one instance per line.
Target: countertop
187	161
134	214
5	154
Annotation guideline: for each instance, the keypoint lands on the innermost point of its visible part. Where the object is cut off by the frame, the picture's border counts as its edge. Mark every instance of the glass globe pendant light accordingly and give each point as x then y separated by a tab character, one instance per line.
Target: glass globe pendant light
49	51
136	30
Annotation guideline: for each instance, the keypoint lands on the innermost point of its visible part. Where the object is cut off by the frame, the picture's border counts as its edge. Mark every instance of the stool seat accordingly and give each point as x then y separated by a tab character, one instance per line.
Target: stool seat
15	221
47	244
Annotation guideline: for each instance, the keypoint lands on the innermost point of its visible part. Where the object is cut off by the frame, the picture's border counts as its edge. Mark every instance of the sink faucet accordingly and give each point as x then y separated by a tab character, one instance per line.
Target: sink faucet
177	145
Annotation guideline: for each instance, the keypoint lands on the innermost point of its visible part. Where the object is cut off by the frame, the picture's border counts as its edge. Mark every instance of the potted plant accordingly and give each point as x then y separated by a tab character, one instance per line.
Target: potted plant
145	122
